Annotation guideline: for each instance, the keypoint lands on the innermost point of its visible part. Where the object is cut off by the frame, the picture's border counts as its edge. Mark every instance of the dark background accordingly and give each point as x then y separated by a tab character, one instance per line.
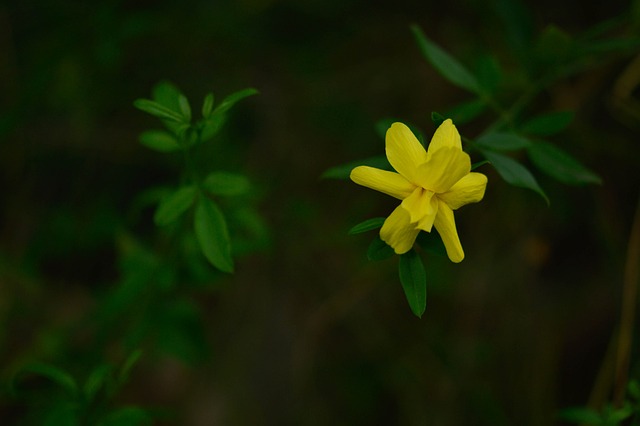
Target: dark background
307	331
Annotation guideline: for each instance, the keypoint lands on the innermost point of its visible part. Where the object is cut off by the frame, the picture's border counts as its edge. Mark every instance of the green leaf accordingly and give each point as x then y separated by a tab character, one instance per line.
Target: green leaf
231	100
127	366
159	140
344	171
479	164
126	416
513	172
63	414
207	105
379	250
560	165
226	184
55	374
212	234
185	108
502	141
97	380
157	110
414	281
447	65
548	124
553	45
367	225
167	94
581	415
489	73
437	118
432	243
173	206
211	126
466	111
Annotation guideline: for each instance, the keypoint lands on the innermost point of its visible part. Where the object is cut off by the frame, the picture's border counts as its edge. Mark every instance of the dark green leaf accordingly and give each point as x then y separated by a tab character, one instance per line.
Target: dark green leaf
159	140
479	164
344	171
157	110
211	126
126	416
431	242
379	250
97	380
212	234
226	184
609	46
489	73
127	365
513	172
548	124
63	413
634	390
560	165
231	100
447	65
207	105
553	45
173	206
502	141
367	225
581	415
437	118
55	374
466	111
185	108
414	281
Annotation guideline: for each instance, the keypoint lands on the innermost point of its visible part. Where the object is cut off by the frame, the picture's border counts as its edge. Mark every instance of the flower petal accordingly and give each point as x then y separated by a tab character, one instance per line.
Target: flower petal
469	189
446	226
422	207
398	231
446	135
404	151
443	169
389	183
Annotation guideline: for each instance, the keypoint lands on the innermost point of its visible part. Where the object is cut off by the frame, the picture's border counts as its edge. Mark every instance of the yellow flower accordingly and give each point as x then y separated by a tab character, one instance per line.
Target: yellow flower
431	184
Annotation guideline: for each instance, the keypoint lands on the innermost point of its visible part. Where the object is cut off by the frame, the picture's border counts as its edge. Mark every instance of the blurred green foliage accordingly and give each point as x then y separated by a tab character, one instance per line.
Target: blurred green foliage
306	331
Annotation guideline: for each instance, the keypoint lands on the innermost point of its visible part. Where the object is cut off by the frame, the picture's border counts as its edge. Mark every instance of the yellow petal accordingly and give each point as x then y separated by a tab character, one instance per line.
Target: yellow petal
389	183
398	232
469	189
446	227
443	169
422	207
404	151
446	135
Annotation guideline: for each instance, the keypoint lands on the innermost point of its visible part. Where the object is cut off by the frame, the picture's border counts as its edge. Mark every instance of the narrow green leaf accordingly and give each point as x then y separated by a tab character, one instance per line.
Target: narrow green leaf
159	140
432	243
466	111
226	184
437	118
127	366
157	110
489	73
553	45
233	98
213	236
97	380
414	281
344	171
479	164
212	126
55	374
174	205
548	124
207	105
447	65
513	172
367	225
502	141
185	108
560	165
379	250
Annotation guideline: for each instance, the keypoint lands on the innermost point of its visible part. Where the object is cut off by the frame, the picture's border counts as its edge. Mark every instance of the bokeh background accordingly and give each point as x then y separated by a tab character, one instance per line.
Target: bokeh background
307	331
